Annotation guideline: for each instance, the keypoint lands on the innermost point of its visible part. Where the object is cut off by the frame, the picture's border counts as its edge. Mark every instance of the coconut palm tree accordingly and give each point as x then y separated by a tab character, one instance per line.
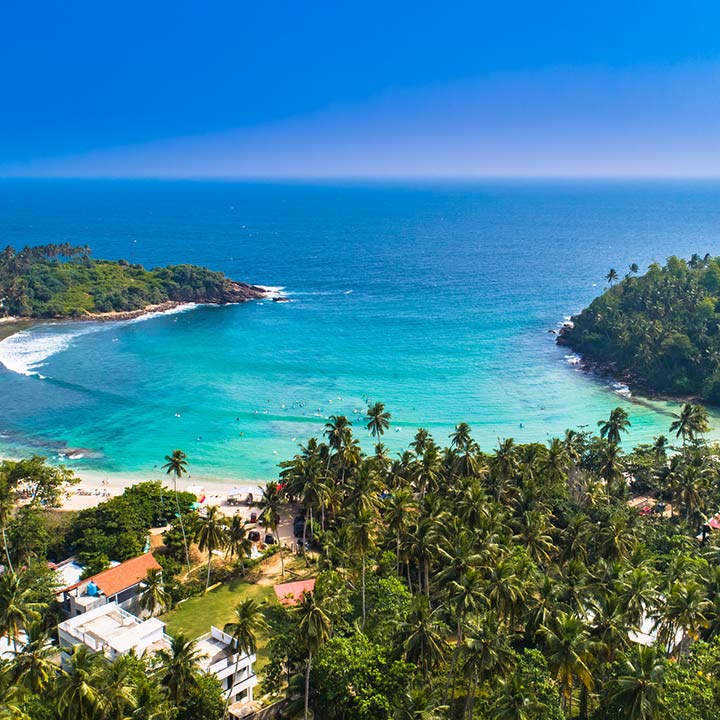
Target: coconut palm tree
617	423
153	597
17	610
314	627
249	622
378	420
118	688
487	655
176	466
568	651
79	692
361	535
32	666
424	644
638	685
691	421
612	276
211	535
238	542
338	431
271	507
178	669
398	513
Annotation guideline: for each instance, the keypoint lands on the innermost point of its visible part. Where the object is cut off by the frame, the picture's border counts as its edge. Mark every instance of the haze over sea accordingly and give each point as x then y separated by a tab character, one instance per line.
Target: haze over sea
435	298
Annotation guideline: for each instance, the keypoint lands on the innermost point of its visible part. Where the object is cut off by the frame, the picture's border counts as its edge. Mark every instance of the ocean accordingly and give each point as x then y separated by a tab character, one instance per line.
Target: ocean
435	298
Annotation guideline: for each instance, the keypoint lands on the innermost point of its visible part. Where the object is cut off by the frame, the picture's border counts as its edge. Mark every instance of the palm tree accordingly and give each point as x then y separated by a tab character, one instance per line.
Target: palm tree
271	507
378	420
314	630
153	597
683	614
179	667
466	597
617	423
424	644
79	693
690	422
633	269
211	535
17	610
176	466
338	430
638	685
568	650
249	621
238	542
400	507
361	539
487	655
32	666
118	688
612	276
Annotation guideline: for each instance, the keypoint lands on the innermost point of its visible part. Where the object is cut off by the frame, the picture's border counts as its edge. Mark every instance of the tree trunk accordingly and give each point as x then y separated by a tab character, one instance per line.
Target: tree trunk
182	525
363	591
7	551
307	684
282	559
227	699
207	582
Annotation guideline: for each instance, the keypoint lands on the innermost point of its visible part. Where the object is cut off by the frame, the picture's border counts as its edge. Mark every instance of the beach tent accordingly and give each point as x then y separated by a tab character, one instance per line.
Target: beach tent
198	491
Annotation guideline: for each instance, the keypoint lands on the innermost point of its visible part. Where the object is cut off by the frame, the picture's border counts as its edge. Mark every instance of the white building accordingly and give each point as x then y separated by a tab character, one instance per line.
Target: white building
113	631
220	659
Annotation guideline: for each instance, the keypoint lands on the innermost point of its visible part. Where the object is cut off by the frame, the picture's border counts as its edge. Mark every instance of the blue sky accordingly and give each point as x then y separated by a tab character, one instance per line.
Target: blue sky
230	89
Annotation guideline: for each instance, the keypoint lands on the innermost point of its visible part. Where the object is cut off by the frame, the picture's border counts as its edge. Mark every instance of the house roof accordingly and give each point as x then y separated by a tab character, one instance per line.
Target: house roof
290	593
122	576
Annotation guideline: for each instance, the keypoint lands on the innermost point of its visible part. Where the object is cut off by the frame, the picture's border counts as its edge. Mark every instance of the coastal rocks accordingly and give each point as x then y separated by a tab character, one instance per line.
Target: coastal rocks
236	292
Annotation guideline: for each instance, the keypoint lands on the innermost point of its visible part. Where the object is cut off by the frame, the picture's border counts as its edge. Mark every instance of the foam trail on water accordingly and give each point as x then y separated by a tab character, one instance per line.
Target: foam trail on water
26	352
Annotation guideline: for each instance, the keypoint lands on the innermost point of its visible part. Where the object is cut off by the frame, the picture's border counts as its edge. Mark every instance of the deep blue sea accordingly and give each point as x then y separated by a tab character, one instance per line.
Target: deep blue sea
435	298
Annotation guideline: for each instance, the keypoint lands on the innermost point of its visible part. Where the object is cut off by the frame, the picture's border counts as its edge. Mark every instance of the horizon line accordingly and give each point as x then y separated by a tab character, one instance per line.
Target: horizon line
372	178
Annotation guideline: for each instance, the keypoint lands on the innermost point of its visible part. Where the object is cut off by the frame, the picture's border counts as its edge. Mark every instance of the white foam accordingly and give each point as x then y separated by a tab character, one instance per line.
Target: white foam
573	359
25	352
273	291
621	389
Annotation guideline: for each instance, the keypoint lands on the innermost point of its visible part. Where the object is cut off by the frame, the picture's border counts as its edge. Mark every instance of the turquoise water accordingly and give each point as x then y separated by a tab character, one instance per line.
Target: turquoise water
434	298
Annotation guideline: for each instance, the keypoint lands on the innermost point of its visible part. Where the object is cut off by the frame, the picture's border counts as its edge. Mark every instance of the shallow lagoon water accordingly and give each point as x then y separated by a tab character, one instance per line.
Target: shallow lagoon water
435	298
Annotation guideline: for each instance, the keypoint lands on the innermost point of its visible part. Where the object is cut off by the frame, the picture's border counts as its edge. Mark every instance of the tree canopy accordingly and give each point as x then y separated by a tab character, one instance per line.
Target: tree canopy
660	331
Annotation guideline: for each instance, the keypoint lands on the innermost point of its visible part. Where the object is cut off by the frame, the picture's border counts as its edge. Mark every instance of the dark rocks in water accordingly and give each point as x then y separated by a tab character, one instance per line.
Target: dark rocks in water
235	292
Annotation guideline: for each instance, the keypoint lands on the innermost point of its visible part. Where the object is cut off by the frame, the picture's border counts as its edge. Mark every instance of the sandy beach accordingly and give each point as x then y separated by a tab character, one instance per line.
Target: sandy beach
94	487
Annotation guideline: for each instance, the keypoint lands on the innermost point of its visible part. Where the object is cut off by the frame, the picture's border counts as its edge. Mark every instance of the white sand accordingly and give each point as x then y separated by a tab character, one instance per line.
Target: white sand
94	487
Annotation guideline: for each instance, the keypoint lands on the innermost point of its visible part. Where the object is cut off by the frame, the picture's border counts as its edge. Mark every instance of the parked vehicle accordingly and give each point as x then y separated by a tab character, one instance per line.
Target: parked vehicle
253	517
254	536
270	539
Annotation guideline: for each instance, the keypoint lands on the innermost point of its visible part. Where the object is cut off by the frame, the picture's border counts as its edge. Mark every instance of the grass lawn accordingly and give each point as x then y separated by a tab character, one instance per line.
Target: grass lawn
195	616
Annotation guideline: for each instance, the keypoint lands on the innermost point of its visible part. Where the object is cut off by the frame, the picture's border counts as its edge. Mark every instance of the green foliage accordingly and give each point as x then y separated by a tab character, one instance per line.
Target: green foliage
118	527
354	677
204	700
61	281
660	329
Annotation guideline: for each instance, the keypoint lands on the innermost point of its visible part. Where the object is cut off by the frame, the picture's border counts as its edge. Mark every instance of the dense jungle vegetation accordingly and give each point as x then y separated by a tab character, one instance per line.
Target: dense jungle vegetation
661	330
450	583
62	281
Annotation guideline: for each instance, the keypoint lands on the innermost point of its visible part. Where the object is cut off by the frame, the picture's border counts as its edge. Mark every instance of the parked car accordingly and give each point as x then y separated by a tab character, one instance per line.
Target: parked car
253	517
270	539
254	536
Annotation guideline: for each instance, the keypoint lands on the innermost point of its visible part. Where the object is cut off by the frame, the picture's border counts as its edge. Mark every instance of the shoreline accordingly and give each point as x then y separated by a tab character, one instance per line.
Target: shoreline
95	487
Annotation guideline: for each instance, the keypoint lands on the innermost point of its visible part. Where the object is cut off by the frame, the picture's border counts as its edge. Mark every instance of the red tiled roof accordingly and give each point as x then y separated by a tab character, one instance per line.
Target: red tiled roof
290	593
122	576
